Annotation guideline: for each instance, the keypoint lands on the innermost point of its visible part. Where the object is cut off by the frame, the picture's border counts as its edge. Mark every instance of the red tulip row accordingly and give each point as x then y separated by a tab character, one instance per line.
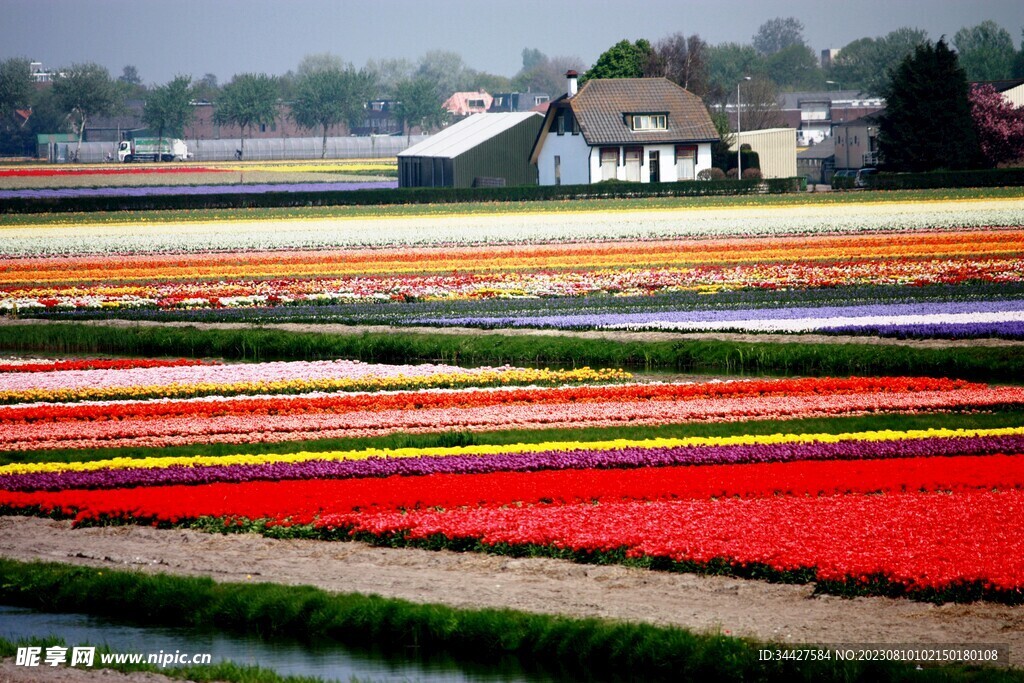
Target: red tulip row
788	516
915	540
421	400
97	364
333	501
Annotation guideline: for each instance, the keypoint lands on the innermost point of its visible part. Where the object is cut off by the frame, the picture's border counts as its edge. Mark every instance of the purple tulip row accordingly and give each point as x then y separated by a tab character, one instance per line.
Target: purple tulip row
149	191
517	462
1013	329
824	312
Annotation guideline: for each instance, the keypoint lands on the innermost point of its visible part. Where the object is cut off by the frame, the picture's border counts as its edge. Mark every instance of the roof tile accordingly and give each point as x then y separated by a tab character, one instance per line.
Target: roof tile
600	104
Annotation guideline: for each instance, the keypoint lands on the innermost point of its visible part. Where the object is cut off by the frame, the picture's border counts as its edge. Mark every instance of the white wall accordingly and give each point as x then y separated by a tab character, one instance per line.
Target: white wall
582	164
776	149
1015	96
575	156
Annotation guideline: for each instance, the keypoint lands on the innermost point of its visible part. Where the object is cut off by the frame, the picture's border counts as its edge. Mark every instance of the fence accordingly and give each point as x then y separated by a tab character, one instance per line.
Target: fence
256	149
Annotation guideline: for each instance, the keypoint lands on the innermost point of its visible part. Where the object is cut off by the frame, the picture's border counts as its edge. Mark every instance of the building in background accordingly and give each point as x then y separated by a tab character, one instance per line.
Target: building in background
814	114
483	150
856	142
645	130
462	104
776	150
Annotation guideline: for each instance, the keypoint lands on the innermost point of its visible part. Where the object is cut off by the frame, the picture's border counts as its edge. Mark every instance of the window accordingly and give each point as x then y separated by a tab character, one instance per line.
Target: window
560	123
558	170
475	104
643	122
686	162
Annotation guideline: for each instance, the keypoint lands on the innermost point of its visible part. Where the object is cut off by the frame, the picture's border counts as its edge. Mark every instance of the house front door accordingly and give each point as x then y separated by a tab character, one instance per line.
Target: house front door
655	168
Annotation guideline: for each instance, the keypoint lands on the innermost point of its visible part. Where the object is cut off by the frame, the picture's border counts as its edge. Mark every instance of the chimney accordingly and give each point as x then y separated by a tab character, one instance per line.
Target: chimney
571	76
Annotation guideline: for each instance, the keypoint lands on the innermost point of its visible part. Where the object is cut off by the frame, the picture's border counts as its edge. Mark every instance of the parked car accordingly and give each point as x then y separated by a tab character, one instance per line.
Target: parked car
860	179
843	179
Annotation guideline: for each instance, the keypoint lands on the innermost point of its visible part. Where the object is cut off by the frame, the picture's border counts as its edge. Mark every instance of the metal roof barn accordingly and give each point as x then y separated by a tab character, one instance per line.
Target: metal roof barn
484	150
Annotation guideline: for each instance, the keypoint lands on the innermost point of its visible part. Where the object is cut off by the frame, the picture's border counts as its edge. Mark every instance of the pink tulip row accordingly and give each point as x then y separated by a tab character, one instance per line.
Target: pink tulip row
223	374
158	432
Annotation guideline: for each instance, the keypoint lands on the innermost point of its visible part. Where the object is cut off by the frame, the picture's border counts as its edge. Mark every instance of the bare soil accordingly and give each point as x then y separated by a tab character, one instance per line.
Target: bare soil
11	673
738	607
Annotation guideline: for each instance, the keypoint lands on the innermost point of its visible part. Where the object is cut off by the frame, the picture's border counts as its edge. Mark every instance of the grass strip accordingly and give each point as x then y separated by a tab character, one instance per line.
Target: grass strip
484	208
834	425
218	672
577	647
1000	363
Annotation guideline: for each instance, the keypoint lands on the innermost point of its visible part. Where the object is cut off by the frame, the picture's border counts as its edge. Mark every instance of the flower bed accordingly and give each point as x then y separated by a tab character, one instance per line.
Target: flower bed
681	501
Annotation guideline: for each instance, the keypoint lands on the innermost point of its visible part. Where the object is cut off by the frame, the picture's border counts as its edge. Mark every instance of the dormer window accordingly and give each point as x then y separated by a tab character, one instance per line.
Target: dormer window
475	104
644	122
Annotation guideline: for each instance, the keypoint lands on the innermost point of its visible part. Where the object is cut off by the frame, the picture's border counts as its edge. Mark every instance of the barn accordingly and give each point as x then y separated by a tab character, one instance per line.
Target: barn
483	150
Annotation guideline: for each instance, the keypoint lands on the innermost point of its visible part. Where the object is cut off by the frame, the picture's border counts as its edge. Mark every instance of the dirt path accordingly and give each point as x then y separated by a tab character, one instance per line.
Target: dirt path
765	611
11	673
621	336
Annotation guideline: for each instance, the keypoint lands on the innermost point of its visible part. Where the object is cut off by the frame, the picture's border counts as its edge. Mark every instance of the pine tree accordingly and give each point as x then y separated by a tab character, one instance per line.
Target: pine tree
927	122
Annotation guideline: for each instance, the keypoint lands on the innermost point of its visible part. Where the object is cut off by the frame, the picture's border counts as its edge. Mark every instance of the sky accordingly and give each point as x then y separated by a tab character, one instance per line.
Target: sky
165	38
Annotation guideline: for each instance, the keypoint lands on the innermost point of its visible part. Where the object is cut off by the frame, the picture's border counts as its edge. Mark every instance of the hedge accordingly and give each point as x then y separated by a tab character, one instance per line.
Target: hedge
990	177
419	195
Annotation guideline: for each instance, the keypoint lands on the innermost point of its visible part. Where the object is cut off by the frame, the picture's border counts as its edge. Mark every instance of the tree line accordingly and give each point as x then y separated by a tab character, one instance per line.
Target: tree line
325	91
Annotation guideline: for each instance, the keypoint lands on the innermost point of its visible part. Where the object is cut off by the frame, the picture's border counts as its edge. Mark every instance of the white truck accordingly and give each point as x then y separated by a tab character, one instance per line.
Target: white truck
152	149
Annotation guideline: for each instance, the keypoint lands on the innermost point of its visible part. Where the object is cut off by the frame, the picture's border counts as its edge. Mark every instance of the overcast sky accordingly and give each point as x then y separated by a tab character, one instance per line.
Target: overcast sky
163	38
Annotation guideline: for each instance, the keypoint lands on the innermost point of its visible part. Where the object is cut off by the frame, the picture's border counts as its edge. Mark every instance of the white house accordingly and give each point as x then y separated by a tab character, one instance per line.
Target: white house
645	130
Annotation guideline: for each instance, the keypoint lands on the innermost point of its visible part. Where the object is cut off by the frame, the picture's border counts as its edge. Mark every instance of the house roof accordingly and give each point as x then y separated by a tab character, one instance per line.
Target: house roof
466	134
600	104
1002	86
823	150
866	120
458	103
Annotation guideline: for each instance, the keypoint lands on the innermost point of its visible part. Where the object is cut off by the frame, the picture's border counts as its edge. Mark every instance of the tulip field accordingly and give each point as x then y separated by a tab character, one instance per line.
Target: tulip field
909	486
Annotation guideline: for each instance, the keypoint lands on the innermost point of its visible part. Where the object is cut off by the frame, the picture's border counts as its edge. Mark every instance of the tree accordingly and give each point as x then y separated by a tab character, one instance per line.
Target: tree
446	71
130	75
490	83
532	57
15	86
546	75
777	34
15	93
168	108
248	100
1018	60
927	122
795	67
622	60
986	51
1000	125
419	105
728	64
388	73
330	95
681	60
206	89
83	91
759	104
868	65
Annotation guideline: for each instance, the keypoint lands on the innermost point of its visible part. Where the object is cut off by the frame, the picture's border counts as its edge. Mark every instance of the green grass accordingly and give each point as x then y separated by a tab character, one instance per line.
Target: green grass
1000	363
482	208
835	425
577	648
